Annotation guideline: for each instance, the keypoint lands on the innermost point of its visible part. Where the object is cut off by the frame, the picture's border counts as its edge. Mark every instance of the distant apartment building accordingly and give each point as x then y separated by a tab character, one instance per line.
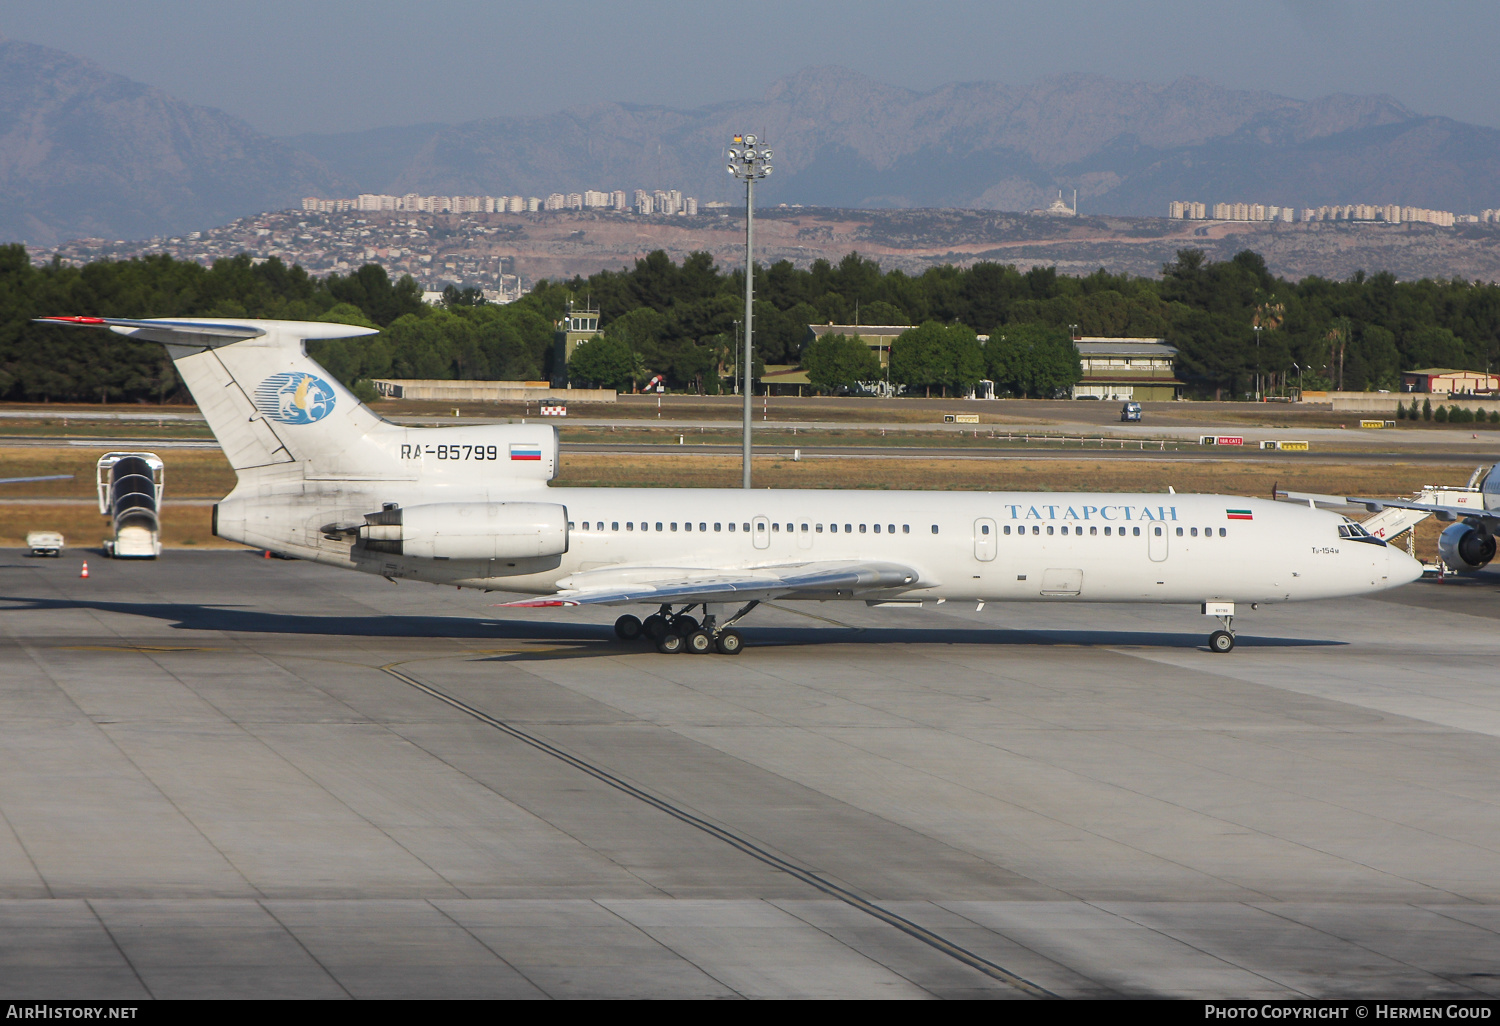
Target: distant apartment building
1387	212
326	206
660	201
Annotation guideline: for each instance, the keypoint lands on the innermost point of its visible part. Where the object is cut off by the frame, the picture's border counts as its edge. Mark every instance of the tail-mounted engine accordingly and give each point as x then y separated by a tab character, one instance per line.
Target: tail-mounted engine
1467	546
467	530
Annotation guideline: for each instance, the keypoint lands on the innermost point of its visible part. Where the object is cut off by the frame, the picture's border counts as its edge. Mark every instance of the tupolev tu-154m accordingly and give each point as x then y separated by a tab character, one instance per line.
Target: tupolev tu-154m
322	478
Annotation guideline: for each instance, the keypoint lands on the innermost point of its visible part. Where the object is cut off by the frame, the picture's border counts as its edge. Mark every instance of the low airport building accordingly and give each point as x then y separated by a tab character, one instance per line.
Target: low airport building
452	391
1127	368
1447	381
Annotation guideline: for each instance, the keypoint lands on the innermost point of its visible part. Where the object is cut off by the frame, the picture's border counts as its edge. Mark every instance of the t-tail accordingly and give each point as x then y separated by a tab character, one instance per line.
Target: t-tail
290	429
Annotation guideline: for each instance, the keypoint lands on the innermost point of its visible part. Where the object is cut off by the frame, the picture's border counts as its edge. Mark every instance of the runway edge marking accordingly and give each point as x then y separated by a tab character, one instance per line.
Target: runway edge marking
807	876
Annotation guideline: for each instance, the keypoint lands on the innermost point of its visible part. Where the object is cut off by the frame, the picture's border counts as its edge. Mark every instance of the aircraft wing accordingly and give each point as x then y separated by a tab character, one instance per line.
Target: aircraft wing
1318	499
620	585
1445	513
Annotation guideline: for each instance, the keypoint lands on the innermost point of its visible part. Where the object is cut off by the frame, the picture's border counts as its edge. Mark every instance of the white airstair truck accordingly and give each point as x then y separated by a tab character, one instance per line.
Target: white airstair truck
130	488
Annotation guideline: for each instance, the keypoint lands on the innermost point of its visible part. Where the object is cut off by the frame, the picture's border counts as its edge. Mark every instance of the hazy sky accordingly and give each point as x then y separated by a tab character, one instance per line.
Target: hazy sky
315	66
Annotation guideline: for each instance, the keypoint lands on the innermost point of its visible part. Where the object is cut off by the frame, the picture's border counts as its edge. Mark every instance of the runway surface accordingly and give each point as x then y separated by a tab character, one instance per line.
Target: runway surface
230	776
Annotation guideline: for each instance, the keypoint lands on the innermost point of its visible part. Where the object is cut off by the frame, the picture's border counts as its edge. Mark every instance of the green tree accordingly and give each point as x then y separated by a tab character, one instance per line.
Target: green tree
1032	360
1426	409
839	361
604	361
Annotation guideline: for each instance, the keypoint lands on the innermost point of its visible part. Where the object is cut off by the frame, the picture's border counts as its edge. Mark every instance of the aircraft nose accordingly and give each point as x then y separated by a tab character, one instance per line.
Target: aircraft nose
1401	568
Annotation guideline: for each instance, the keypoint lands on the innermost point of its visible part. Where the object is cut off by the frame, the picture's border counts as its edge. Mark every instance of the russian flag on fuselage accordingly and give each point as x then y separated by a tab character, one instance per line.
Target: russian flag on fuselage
526	452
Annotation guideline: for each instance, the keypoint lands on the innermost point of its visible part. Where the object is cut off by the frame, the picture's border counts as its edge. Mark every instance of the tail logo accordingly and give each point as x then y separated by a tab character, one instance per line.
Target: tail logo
294	398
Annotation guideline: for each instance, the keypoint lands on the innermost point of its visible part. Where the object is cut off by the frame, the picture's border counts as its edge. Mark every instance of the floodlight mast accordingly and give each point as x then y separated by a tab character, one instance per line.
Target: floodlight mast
748	164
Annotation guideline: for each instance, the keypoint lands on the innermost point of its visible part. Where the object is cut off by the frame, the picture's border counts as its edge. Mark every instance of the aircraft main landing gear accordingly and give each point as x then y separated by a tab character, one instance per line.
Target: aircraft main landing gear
1221	641
678	632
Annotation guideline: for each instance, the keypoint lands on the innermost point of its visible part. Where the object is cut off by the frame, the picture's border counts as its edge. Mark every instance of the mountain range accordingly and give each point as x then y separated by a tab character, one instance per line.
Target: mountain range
85	152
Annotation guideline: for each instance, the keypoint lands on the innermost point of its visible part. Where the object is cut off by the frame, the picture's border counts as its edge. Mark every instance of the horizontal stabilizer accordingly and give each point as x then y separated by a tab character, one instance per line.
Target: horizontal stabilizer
206	332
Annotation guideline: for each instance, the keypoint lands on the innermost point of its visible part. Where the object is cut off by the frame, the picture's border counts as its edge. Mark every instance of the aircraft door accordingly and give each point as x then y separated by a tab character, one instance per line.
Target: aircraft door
761	528
1156	542
984	540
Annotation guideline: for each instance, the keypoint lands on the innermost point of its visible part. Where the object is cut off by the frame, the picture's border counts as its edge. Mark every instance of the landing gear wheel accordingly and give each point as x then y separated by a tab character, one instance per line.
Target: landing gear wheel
654	626
628	628
700	642
669	643
685	624
729	642
1221	641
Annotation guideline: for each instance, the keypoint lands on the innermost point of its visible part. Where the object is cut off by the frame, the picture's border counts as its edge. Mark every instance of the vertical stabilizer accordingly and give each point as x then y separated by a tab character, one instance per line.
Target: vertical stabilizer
265	399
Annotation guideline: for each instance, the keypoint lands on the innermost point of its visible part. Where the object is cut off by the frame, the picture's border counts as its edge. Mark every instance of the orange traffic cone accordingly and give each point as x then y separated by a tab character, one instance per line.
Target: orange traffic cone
85	571
267	554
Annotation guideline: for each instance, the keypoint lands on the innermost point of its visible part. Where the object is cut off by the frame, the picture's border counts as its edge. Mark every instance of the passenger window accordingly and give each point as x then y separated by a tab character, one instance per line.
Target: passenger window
703	527
848	528
819	529
1035	529
906	529
658	526
1223	533
934	529
877	529
890	528
984	528
1093	530
833	528
1049	529
1158	532
1007	529
630	525
743	527
861	528
586	526
1179	532
804	527
731	528
719	525
1195	532
776	527
614	525
1136	531
1106	532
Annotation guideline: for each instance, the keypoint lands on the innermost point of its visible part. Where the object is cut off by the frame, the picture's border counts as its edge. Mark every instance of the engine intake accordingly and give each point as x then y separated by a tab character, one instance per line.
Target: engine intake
468	530
1467	546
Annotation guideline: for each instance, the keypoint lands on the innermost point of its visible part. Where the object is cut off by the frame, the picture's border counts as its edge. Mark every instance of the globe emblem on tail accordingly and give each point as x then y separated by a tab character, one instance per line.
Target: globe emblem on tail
294	398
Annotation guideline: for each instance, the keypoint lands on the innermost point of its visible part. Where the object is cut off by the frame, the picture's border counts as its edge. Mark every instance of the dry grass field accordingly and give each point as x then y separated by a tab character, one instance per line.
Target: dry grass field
204	475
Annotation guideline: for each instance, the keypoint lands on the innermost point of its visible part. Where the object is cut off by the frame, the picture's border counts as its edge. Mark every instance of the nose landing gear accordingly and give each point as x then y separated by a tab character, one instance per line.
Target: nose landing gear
1221	640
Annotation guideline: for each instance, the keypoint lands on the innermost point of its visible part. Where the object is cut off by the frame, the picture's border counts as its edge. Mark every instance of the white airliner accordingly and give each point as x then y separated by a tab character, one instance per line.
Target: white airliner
323	478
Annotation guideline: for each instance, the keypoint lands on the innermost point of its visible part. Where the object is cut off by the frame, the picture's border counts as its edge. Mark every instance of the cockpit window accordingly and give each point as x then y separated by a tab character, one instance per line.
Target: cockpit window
1354	532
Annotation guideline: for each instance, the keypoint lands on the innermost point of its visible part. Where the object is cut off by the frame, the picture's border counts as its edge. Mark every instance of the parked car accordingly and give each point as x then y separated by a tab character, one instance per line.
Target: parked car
1130	411
44	543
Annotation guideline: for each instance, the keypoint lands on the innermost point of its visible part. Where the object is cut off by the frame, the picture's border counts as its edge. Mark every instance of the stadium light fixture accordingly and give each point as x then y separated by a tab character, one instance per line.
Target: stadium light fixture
749	165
